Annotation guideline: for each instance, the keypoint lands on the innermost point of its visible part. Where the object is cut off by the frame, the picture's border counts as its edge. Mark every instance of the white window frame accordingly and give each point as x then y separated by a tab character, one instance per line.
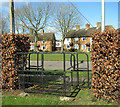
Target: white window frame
83	37
42	47
58	44
32	41
67	46
76	39
76	46
43	41
83	46
32	47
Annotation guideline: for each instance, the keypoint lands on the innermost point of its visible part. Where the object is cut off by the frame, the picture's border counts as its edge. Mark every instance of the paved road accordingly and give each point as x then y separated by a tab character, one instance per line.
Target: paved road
58	65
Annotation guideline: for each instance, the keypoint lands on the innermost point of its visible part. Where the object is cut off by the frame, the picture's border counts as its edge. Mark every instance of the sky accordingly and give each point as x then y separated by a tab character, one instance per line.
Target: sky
90	10
119	15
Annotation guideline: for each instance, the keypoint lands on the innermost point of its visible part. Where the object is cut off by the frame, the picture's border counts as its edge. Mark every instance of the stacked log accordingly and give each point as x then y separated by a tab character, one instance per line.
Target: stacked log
11	44
105	65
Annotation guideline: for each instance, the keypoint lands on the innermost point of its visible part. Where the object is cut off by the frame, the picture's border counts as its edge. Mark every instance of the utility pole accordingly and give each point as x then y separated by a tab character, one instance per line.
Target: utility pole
12	21
103	16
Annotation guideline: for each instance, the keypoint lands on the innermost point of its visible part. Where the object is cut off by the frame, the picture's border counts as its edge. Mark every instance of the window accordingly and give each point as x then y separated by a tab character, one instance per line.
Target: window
83	38
57	44
43	47
75	39
32	47
76	46
67	39
68	46
43	41
32	41
83	46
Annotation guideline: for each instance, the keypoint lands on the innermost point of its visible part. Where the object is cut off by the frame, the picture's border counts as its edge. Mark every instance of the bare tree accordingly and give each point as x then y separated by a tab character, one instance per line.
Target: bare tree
34	17
20	28
17	24
66	18
4	24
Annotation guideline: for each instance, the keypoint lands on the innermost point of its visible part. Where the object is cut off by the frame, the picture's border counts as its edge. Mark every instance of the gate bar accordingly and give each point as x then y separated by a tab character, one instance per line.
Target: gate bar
77	70
64	74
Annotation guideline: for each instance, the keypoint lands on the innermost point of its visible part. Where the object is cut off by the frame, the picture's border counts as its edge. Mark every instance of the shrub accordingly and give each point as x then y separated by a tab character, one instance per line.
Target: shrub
40	50
72	50
11	44
46	51
105	65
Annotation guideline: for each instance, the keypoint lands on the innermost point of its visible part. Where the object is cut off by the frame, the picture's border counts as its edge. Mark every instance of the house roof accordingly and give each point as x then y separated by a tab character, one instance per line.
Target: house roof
86	33
45	36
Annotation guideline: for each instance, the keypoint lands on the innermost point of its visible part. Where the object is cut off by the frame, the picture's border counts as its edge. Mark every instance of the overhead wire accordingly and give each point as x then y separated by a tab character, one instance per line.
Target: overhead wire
80	13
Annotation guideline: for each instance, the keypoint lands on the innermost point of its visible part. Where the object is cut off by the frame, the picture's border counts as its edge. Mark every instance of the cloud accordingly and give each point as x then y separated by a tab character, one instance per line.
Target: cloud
51	29
58	34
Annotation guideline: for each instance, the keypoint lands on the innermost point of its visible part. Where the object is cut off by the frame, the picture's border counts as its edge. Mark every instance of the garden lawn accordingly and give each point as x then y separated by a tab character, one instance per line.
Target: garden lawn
84	97
59	57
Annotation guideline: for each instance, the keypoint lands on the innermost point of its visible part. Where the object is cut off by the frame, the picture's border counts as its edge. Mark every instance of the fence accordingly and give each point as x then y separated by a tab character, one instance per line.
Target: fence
35	78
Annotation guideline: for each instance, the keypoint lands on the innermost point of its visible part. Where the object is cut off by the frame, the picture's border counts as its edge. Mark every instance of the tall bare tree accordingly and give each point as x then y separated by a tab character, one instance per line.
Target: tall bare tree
20	28
66	17
4	24
34	17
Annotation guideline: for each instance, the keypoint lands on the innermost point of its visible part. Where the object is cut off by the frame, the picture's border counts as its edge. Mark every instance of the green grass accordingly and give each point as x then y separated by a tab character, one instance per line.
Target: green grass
33	99
59	57
84	97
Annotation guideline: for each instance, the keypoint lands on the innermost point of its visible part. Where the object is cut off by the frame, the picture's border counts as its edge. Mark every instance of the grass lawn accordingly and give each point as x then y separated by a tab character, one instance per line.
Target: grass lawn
59	57
84	97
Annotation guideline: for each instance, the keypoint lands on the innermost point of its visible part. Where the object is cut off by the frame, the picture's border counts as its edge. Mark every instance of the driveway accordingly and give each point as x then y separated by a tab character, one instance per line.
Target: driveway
58	65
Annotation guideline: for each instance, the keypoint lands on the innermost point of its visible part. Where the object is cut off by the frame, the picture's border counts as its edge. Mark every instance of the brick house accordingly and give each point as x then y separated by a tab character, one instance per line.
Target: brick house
46	41
81	39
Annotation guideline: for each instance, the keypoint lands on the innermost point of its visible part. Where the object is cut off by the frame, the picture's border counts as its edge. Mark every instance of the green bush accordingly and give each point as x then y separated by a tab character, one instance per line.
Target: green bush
46	51
31	51
72	50
65	50
40	50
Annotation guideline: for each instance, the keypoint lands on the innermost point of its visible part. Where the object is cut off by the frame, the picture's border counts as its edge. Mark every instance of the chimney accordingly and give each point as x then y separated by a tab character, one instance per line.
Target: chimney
77	27
98	25
42	32
87	26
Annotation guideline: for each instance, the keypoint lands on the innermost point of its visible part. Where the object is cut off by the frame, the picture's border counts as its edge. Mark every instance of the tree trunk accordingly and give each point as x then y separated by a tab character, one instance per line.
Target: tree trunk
62	46
2	32
36	40
17	30
23	30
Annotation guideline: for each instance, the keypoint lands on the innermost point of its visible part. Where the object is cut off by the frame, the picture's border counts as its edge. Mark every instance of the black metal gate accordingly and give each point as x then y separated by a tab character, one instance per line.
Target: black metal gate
34	77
